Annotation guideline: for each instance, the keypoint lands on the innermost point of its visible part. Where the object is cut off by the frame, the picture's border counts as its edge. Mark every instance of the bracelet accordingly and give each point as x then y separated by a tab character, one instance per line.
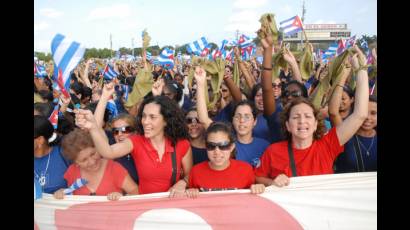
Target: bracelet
264	68
340	85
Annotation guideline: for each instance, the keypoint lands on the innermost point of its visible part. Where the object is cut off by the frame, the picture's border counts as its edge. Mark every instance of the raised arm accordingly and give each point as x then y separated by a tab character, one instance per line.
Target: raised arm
351	124
84	76
85	120
200	77
267	90
336	99
107	92
248	77
289	58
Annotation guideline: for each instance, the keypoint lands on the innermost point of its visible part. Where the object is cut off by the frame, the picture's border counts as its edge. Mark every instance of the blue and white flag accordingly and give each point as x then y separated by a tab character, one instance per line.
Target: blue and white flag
112	107
197	47
166	58
223	44
155	62
148	56
364	45
244	41
291	26
179	55
66	54
80	182
351	41
109	73
125	91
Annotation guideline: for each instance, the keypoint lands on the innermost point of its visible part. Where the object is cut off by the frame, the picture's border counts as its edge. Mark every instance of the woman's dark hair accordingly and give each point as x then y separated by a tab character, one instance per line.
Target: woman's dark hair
45	109
249	103
254	91
43	127
172	114
285	115
218	126
175	88
77	88
373	98
86	92
349	91
300	85
64	126
47	95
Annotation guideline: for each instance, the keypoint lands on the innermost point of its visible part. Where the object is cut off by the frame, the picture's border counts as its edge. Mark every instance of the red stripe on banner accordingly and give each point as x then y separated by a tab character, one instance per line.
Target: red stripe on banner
221	211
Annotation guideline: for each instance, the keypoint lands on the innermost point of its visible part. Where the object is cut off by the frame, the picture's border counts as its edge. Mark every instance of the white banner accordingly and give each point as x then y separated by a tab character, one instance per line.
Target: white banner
339	201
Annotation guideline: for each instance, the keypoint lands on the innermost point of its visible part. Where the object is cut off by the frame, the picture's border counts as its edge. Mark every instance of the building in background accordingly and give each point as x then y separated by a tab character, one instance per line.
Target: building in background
320	35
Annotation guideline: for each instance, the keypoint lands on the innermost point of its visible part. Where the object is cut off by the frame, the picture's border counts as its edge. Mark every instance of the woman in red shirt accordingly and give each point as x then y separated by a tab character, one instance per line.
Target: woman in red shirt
105	177
221	172
162	133
307	151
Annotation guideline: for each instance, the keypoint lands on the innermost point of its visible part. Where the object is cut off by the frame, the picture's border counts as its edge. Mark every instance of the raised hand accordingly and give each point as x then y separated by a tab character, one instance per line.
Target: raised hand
200	75
84	119
288	56
108	90
158	87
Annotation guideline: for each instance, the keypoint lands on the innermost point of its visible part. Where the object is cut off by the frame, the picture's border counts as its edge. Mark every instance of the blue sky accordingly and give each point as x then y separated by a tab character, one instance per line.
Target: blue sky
177	22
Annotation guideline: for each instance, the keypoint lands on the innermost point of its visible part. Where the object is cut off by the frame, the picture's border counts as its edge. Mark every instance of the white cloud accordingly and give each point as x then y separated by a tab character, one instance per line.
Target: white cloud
50	13
245	15
110	12
286	9
249	27
248	4
40	26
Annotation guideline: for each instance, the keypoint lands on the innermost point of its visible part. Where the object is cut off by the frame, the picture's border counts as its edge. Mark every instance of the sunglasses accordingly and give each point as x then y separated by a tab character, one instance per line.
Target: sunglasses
123	130
293	94
190	120
210	146
276	85
224	90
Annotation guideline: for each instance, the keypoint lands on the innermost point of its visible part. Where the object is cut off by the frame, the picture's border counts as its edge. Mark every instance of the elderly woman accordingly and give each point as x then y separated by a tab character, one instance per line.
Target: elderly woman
160	150
307	150
105	177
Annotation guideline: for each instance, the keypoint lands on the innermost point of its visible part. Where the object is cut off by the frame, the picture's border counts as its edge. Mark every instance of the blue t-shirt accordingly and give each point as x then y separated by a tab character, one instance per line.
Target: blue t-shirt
199	155
274	123
251	152
54	175
347	161
225	115
261	130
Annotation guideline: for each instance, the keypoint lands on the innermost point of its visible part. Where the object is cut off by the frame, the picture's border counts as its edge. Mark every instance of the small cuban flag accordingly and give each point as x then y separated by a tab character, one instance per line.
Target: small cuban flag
80	182
54	116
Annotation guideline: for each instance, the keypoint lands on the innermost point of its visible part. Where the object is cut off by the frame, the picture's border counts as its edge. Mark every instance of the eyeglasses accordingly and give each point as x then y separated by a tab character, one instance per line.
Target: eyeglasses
210	146
245	117
224	90
190	120
123	130
293	94
276	85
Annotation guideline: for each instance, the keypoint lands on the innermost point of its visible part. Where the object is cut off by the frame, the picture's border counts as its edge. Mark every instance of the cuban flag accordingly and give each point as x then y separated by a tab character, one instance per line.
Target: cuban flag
112	107
370	59
148	55
109	73
227	55
155	62
60	85
80	182
206	51
341	47
364	45
215	54
166	58
198	46
291	26
40	71
125	91
54	116
247	52
66	54
244	41
351	41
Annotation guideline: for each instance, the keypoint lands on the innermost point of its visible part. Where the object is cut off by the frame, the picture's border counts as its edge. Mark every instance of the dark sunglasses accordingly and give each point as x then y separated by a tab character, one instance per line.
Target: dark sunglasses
124	130
276	85
190	120
224	90
293	94
210	146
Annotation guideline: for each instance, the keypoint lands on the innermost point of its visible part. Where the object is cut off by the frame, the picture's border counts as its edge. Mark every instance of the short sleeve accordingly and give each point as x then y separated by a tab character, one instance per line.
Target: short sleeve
264	168
182	146
332	142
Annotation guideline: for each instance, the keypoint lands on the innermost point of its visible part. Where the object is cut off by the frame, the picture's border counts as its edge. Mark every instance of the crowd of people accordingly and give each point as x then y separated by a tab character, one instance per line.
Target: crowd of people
164	135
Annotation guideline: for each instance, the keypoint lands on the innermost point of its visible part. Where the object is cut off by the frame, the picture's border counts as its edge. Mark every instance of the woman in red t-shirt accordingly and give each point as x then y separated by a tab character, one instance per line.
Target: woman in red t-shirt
162	132
313	153
105	177
221	172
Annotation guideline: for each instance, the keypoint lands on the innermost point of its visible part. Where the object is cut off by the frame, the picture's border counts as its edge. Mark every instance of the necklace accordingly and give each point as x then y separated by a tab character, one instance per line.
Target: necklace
364	147
42	178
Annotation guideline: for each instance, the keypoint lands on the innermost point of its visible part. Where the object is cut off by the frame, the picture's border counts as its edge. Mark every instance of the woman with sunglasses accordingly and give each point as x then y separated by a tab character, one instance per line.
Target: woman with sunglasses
196	133
249	148
162	140
104	177
221	172
308	150
122	126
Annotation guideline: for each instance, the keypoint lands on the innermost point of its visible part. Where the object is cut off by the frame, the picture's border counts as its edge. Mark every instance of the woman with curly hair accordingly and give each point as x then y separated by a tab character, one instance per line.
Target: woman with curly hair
307	150
160	149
